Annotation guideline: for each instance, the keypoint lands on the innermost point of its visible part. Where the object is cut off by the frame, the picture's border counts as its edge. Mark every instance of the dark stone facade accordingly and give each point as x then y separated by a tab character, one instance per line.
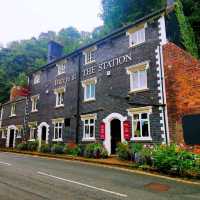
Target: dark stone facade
112	90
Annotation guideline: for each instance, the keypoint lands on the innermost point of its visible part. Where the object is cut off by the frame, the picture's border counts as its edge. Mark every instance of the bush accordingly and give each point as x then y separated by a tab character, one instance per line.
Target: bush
57	148
32	145
95	150
72	149
45	148
123	151
22	146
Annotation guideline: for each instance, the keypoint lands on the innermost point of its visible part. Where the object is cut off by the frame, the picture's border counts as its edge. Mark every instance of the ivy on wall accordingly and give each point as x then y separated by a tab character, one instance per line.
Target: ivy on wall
187	33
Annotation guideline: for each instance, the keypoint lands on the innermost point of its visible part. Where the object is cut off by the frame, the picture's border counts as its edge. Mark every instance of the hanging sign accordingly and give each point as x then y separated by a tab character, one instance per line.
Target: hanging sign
127	130
102	131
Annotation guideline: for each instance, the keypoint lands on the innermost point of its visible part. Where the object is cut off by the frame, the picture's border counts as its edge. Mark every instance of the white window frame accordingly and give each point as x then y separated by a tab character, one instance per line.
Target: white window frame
13	110
87	83
19	132
1	117
138	68
32	128
58	126
89	117
36	78
89	58
61	67
58	92
137	35
4	133
34	105
139	111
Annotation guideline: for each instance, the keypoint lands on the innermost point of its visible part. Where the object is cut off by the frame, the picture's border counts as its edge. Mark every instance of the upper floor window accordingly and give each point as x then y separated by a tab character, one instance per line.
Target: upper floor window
89	126
140	123
59	96
58	129
137	35
1	115
36	78
61	67
89	55
34	100
13	110
89	86
138	76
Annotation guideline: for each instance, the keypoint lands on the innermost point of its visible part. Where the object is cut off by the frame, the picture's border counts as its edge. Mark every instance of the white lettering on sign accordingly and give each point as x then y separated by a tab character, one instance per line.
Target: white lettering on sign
108	64
63	81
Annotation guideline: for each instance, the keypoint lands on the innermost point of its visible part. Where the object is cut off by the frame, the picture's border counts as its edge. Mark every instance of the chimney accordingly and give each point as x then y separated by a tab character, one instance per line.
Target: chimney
55	50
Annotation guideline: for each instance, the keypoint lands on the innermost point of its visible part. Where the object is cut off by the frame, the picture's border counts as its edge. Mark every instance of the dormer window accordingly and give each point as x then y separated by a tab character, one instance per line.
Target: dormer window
136	35
61	68
90	55
13	110
36	78
34	100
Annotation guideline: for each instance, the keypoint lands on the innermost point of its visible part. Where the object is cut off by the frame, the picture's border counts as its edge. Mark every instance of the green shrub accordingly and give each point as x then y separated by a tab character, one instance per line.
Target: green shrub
45	148
72	149
22	146
95	150
123	151
57	148
32	145
81	149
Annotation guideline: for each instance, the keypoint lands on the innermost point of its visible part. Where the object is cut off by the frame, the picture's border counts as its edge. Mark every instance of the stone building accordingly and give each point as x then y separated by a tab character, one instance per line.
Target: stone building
114	85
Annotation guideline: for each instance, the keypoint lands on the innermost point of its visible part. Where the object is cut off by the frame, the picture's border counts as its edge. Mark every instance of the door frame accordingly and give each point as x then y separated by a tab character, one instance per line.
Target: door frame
107	121
39	133
11	127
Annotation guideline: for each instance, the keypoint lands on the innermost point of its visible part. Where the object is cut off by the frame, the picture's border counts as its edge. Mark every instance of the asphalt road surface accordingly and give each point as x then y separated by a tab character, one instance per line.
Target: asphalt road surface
26	177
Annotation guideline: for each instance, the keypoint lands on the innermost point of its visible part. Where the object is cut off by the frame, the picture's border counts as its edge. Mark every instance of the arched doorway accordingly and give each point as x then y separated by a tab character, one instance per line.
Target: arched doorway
43	133
115	130
110	128
11	136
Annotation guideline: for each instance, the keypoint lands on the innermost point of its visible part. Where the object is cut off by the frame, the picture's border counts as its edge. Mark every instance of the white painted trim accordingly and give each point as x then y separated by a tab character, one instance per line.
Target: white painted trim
11	127
107	121
162	30
39	132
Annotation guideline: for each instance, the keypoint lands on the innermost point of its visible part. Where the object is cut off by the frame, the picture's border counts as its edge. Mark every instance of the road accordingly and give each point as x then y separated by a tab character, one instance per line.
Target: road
27	177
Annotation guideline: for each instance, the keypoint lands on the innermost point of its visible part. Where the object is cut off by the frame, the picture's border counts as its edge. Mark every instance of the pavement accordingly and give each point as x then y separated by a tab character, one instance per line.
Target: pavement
30	177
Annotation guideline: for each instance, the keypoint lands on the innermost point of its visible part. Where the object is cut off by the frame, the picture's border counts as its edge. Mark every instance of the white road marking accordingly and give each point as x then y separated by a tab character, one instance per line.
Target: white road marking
82	184
4	163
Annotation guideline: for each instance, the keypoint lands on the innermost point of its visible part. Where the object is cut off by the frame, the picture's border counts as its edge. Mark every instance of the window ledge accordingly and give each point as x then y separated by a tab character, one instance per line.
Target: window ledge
60	106
58	140
136	45
141	139
60	74
31	140
34	111
92	62
18	137
138	90
12	116
3	138
88	140
89	100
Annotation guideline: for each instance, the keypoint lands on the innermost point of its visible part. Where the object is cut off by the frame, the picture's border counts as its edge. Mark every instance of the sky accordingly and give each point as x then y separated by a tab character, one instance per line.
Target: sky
23	19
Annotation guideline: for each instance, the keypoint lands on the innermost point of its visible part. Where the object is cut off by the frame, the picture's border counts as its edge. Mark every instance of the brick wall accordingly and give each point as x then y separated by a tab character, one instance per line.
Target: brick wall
182	79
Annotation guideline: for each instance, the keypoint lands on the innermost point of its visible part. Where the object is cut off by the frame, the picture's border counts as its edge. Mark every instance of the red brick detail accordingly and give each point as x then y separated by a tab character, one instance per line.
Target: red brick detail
182	80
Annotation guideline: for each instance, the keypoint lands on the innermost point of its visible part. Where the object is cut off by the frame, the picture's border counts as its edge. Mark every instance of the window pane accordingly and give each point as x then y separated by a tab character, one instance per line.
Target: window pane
86	121
135	80
87	129
91	121
143	79
91	131
137	131
87	91
145	129
144	116
136	116
92	86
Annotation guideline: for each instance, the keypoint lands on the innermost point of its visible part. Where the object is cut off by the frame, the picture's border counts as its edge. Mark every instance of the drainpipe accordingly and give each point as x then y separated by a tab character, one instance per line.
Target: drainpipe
78	98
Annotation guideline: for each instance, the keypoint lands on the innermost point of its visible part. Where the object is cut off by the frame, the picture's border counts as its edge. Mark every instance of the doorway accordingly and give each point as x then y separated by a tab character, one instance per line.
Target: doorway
11	139
44	134
115	127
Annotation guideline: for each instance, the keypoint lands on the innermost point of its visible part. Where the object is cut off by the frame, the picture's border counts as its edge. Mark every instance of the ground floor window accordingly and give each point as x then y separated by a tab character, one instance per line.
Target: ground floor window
58	129
19	131
140	123
88	126
3	133
33	133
